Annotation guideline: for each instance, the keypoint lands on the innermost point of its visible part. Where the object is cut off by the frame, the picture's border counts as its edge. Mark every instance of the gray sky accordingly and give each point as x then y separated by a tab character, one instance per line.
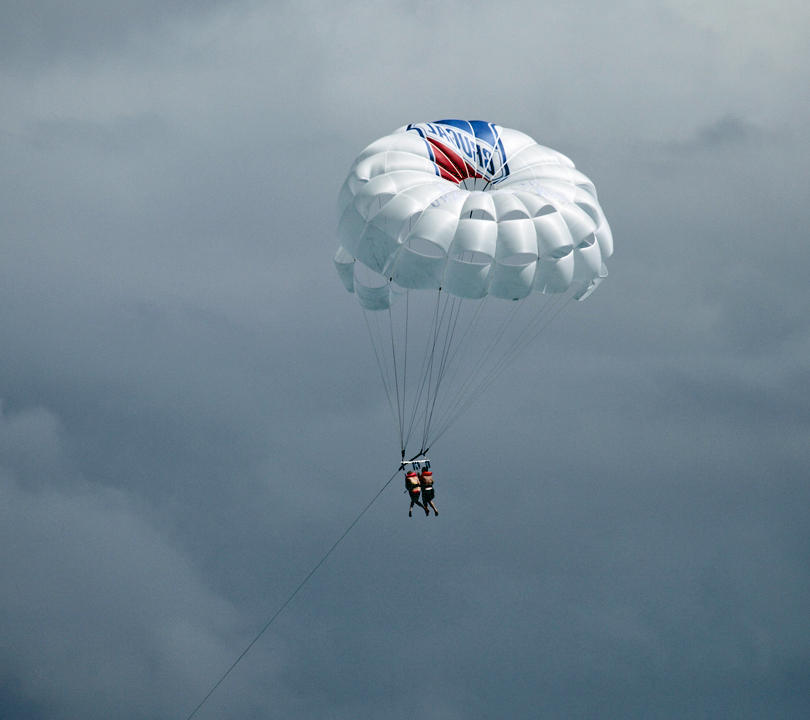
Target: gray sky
191	416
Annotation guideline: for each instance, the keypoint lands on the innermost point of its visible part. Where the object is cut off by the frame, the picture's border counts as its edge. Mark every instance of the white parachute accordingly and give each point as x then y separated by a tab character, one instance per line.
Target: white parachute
447	231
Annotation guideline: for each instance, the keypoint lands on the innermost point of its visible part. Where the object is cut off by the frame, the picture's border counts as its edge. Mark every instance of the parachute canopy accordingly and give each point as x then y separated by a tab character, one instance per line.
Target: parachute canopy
447	215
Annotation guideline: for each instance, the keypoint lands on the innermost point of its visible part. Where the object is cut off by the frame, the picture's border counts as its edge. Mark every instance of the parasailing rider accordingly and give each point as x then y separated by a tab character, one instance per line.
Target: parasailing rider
413	487
426	485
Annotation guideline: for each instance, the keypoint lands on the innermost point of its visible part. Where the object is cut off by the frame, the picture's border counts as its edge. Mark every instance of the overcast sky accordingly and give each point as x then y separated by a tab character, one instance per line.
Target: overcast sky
190	408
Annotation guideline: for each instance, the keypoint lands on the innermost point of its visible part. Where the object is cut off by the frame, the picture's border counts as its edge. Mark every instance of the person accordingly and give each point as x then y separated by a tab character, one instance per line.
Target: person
413	488
426	485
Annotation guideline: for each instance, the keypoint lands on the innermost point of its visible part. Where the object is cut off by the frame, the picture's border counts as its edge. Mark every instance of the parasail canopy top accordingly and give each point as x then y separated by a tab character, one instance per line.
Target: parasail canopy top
471	208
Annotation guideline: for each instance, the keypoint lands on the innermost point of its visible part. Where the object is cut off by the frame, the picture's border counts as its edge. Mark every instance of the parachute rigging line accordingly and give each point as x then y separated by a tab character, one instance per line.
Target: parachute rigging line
472	324
290	597
474	382
480	381
432	360
530	334
422	373
463	394
405	372
456	307
433	389
535	328
396	381
380	364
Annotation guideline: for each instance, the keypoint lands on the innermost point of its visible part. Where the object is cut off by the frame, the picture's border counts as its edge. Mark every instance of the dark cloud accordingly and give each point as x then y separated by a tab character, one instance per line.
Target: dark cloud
99	597
728	132
191	412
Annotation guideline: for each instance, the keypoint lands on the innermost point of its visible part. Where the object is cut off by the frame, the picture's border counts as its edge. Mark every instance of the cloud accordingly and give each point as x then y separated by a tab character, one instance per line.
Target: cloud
102	615
728	131
192	413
